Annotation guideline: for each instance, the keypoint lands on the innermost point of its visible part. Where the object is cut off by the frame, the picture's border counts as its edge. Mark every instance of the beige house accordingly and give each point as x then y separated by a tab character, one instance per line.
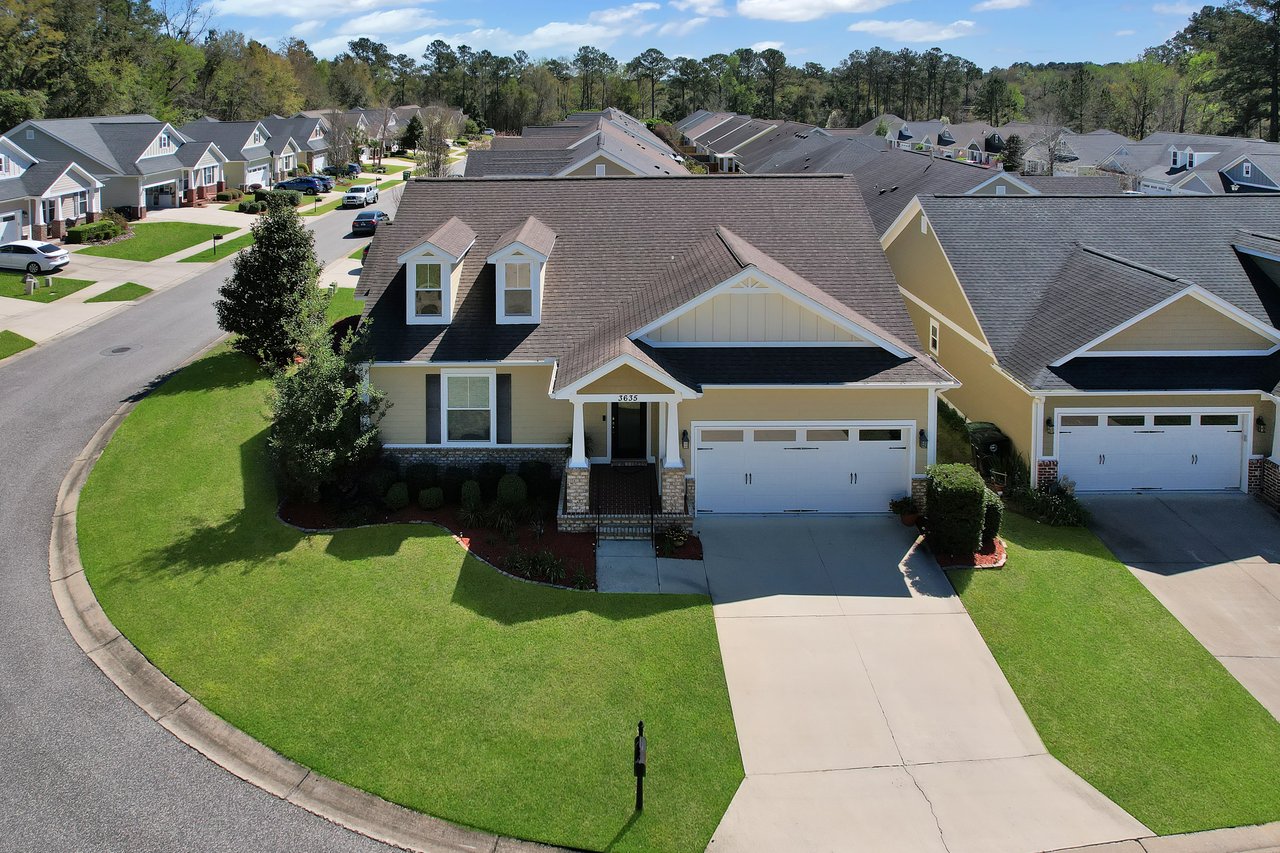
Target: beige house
717	358
1121	342
38	198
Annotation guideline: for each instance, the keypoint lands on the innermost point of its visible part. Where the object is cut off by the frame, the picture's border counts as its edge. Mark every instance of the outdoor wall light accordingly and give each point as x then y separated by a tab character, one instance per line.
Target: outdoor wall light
924	438
1048	425
1261	424
684	439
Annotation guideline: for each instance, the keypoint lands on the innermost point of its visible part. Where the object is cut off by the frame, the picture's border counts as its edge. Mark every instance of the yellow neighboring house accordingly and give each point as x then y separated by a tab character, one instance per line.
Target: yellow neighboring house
732	345
1122	342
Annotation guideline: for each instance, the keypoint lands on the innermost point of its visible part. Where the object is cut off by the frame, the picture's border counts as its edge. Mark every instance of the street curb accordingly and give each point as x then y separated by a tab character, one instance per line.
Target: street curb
202	730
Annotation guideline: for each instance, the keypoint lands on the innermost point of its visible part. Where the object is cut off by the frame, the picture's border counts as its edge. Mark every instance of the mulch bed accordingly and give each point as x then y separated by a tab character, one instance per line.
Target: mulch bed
690	550
577	550
991	557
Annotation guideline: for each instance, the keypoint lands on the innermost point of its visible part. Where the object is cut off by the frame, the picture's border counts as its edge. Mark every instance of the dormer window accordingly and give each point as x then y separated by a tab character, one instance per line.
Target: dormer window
517	294
257	137
428	293
1173	160
165	142
1191	159
432	272
4	165
519	262
1246	169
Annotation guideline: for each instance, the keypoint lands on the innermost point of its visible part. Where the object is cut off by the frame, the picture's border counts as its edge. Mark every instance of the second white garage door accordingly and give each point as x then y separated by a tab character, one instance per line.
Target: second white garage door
1123	450
770	468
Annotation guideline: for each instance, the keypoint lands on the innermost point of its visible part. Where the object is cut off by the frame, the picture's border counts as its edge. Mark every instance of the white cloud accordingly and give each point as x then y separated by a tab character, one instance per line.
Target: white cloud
312	10
911	30
765	45
1181	9
676	29
389	22
806	10
304	28
998	5
703	8
621	14
1123	33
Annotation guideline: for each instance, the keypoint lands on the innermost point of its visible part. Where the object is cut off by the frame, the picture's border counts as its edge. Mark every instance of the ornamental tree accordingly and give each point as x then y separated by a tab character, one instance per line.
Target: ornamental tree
272	286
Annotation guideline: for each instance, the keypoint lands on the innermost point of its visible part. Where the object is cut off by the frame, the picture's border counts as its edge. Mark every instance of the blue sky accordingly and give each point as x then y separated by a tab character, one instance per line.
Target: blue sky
990	32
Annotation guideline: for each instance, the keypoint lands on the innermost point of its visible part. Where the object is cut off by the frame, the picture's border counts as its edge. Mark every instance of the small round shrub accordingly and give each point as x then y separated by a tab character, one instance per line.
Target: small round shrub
247	206
512	491
431	498
397	496
422	475
471	498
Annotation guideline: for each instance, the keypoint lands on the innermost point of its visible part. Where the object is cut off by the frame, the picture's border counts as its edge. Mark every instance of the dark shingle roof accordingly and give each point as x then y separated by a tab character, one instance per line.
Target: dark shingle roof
616	266
1069	266
531	233
699	366
506	162
1074	184
232	138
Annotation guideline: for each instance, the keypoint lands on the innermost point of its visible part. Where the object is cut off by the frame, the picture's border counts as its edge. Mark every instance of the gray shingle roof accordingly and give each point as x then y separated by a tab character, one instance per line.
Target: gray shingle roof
531	233
231	137
1069	266
699	366
300	127
550	149
1074	184
616	266
506	162
34	182
112	143
452	237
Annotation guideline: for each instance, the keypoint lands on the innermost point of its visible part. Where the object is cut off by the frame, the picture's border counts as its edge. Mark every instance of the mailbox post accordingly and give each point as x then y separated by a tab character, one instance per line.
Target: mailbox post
641	759
216	238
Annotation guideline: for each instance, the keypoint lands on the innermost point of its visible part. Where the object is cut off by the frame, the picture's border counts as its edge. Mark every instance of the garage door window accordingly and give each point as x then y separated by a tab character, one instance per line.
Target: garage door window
722	435
1172	420
1220	420
1126	420
879	435
826	435
774	435
1079	420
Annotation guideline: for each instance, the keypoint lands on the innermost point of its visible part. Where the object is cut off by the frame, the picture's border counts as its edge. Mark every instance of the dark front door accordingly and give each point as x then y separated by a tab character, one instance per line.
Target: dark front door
629	430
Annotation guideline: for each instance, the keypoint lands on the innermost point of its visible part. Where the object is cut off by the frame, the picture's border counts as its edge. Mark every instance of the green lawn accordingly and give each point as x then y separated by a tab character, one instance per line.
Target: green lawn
390	659
126	292
357	254
343	303
152	240
11	285
12	342
1118	689
225	247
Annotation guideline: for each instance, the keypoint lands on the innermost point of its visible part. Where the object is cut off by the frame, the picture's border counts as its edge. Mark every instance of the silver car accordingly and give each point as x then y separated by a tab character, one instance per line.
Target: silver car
360	196
34	256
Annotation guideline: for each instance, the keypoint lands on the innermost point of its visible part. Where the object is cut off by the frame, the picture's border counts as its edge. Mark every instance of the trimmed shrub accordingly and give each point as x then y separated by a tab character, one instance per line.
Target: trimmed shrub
992	516
293	196
260	194
488	475
1054	504
537	478
422	475
116	216
94	232
432	498
229	195
512	491
471	498
955	508
451	481
397	496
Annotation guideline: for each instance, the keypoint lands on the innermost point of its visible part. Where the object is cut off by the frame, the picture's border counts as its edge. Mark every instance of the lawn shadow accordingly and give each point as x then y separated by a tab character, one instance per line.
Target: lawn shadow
224	370
622	831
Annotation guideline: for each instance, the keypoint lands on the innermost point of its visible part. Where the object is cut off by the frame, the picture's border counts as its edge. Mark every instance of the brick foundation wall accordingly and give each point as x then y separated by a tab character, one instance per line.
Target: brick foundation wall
1269	485
1046	472
1255	475
568	522
470	457
37	231
577	491
673	490
919	492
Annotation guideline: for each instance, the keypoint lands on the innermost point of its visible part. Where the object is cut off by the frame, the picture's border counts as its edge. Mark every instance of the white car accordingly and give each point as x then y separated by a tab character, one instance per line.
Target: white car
360	196
33	256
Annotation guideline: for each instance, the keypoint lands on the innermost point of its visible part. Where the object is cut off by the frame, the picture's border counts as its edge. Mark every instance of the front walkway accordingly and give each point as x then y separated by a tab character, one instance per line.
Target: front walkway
1213	561
870	713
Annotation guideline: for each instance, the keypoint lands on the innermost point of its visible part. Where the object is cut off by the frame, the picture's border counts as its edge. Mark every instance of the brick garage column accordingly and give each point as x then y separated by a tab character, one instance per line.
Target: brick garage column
1270	483
919	492
1255	475
1046	472
577	490
673	490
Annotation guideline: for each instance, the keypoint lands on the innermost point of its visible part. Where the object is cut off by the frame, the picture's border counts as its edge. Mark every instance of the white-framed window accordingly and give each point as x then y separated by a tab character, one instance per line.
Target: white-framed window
1001	189
4	165
165	142
1191	159
517	291
935	334
257	137
1173	160
1246	169
50	210
210	176
600	170
81	203
428	290
469	407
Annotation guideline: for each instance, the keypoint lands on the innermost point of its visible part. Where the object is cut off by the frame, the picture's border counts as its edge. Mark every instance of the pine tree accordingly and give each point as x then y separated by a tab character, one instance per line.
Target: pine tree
1013	153
411	138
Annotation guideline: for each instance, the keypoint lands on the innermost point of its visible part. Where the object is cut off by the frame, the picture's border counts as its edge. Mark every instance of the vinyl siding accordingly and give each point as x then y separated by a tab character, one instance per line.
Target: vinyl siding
610	168
121	192
990	189
1259	178
807	404
750	317
154	149
922	269
625	380
1187	324
1261	408
70	182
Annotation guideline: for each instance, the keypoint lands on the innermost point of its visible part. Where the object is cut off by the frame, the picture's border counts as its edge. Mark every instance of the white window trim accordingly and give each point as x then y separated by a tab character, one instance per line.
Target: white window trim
1246	169
537	265
411	291
935	335
492	375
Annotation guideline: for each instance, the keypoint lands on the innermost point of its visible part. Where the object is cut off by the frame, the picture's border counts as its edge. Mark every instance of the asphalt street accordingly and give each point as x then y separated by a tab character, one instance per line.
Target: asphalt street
81	767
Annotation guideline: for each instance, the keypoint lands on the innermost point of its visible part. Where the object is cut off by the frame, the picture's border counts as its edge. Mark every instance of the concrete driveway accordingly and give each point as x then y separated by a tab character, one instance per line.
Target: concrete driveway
1213	560
870	713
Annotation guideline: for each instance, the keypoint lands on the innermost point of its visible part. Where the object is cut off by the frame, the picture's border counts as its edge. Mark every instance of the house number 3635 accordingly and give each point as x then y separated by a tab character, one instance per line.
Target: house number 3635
628	398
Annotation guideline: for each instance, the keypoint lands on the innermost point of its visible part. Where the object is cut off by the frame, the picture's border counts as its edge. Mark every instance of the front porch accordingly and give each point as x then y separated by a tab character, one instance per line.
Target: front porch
622	500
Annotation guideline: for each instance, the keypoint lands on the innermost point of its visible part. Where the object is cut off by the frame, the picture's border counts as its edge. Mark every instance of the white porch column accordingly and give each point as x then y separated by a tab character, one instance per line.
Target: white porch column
673	459
931	451
662	433
578	455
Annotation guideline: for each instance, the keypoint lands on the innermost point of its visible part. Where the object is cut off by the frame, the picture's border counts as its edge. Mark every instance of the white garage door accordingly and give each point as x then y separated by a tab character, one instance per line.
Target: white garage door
318	163
256	176
1123	450
10	228
802	468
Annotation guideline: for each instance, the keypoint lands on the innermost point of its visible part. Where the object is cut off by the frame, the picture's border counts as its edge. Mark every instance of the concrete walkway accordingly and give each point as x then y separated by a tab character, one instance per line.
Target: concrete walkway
1213	561
870	713
633	566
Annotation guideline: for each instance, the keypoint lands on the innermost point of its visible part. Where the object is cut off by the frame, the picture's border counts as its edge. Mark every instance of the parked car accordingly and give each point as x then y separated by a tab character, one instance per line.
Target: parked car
361	195
489	131
34	256
308	186
367	222
327	180
348	169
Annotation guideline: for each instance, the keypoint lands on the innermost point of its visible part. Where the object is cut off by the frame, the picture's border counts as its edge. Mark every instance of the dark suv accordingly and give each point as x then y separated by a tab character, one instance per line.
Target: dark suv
309	186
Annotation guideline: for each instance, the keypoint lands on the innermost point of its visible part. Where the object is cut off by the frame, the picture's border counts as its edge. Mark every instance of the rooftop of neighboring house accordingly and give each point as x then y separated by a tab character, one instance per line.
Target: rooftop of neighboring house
1204	174
234	138
36	176
614	266
777	141
301	128
869	128
1069	269
692	128
101	144
727	137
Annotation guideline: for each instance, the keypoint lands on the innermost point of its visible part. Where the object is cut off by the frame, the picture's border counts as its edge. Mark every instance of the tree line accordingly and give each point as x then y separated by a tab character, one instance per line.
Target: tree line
1220	74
